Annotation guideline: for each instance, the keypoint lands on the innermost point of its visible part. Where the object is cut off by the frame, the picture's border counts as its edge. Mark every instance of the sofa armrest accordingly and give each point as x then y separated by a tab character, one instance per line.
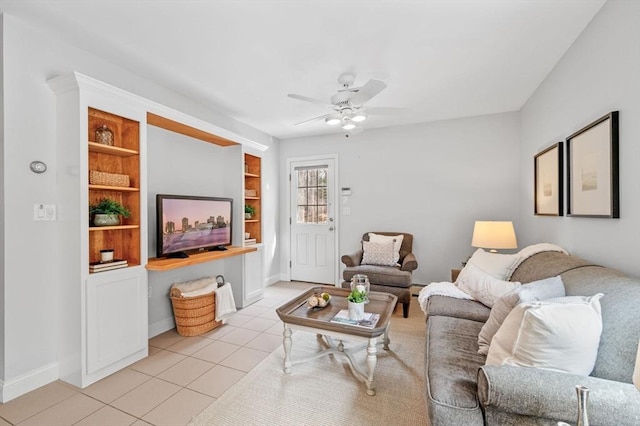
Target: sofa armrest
409	263
352	259
534	392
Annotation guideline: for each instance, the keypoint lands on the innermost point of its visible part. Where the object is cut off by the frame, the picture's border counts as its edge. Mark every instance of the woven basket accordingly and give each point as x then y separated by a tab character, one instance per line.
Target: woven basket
108	179
194	315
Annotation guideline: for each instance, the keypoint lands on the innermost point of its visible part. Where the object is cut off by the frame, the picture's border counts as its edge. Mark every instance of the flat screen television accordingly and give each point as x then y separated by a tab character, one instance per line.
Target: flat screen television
187	224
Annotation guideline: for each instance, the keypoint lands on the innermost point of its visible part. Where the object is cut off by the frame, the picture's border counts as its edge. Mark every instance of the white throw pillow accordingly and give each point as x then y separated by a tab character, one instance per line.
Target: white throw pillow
482	286
378	254
395	239
497	265
559	334
536	290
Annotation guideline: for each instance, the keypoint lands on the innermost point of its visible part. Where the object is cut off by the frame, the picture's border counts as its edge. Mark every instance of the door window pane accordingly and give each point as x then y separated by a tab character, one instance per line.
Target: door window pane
312	195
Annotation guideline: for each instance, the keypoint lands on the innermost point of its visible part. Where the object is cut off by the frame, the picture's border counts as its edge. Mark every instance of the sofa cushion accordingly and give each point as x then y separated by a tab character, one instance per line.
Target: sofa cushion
537	290
620	308
560	334
495	264
385	275
483	286
452	363
457	308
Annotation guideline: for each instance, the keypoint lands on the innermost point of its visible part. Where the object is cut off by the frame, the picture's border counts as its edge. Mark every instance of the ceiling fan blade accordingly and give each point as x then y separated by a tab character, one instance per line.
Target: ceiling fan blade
307	99
312	119
387	110
368	91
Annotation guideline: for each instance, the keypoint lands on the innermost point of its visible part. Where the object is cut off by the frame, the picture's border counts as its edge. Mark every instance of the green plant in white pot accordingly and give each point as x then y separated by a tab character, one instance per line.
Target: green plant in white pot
107	212
249	211
356	301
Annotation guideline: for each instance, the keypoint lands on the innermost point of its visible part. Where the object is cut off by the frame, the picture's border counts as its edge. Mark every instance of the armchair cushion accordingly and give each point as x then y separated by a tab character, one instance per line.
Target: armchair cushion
396	240
383	275
378	253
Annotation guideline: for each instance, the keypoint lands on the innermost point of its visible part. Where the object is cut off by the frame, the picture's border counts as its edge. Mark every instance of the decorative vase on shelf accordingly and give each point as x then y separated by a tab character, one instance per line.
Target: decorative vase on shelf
356	310
247	216
106	219
104	135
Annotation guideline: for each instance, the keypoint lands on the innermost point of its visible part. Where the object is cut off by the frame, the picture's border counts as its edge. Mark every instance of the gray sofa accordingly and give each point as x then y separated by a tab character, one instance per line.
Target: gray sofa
461	390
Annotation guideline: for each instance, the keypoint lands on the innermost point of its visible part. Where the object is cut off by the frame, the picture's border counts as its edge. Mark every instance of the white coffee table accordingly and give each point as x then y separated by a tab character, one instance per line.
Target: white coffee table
296	315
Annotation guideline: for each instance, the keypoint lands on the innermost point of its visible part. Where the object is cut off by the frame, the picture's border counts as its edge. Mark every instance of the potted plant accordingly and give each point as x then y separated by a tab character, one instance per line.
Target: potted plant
357	299
107	212
249	211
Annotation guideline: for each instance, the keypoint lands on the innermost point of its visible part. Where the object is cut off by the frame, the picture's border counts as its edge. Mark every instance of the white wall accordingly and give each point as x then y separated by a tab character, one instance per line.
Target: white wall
598	74
30	58
432	180
180	165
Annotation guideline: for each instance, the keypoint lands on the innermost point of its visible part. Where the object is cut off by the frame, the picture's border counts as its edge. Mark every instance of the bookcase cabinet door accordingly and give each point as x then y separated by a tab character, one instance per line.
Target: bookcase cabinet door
116	316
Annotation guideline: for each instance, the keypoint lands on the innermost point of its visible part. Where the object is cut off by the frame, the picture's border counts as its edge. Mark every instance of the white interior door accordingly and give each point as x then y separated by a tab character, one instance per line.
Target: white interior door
313	229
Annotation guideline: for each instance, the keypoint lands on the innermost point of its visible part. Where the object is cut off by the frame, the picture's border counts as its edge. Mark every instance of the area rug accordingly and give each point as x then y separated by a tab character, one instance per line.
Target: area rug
324	392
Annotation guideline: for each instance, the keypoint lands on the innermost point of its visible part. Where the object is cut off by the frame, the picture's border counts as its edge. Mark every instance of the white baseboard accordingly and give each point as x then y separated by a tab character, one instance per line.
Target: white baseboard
161	326
272	280
27	382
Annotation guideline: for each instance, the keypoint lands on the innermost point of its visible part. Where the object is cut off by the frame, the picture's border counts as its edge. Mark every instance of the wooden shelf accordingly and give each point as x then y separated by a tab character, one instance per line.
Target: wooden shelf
164	264
112	228
111	150
252	175
252	220
113	188
251	198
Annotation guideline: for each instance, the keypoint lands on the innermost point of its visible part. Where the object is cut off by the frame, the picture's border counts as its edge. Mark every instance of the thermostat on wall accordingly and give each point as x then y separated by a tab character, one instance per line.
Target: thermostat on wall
345	190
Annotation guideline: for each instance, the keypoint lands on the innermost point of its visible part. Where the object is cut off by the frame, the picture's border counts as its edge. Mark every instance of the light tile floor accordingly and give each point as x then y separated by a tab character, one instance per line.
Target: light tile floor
181	376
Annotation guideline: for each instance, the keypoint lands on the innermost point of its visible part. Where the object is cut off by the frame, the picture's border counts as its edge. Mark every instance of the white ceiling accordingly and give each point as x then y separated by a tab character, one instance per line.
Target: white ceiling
442	59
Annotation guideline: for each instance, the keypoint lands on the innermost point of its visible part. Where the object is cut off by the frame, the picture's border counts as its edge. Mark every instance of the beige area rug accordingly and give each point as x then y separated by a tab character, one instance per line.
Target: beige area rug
324	392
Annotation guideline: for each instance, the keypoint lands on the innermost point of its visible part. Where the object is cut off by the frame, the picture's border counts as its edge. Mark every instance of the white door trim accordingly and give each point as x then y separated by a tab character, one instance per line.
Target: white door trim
336	220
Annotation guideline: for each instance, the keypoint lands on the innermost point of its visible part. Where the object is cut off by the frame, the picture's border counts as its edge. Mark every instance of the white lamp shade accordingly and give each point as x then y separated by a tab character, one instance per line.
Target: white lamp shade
494	235
636	371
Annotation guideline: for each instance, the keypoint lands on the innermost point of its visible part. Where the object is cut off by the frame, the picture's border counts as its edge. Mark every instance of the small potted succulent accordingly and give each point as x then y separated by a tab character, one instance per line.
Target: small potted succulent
107	212
249	211
357	299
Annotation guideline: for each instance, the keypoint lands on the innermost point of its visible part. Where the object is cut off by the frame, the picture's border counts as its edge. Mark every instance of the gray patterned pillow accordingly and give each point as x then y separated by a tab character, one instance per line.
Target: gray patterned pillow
378	254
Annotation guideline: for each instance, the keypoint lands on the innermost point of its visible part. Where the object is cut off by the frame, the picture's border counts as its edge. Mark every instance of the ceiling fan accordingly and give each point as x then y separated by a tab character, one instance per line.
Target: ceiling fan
347	104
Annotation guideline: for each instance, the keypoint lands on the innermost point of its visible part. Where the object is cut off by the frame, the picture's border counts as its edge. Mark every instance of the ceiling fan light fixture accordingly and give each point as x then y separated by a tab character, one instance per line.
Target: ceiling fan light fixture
348	125
359	117
332	120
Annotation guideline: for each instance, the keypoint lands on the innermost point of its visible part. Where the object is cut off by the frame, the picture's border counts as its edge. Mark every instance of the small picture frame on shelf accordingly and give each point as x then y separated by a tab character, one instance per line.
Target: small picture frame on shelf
250	193
548	173
592	170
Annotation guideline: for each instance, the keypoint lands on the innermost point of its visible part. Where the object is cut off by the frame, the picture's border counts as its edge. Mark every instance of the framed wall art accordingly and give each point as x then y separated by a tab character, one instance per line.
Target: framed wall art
592	170
548	173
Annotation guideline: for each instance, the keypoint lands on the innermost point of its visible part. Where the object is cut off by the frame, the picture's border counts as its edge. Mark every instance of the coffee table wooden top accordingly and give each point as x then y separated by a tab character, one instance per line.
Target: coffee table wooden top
296	311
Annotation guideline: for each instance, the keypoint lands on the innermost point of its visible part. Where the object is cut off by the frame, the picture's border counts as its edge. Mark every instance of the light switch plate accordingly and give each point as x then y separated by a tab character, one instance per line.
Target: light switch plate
44	212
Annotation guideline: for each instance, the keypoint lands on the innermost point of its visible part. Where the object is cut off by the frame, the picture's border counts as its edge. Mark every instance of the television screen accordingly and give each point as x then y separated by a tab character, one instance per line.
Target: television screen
187	223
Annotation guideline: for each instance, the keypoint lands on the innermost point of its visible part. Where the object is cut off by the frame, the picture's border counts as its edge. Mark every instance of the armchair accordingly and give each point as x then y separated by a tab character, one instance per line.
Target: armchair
390	279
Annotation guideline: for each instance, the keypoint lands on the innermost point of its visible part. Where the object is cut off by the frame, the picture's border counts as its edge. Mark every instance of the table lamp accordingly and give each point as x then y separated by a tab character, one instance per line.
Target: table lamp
494	235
